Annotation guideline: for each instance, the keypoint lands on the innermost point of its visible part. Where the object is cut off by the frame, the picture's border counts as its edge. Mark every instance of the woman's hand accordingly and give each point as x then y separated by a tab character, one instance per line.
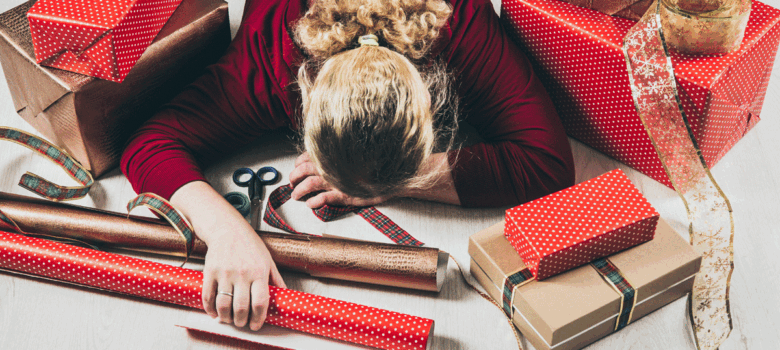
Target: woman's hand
306	180
237	261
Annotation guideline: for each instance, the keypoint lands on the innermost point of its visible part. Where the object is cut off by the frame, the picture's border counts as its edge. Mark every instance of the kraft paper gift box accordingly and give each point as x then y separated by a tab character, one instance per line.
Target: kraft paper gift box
579	224
99	38
92	118
578	307
577	53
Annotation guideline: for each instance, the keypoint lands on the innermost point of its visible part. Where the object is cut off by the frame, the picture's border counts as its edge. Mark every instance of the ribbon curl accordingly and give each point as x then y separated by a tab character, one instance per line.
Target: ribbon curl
657	101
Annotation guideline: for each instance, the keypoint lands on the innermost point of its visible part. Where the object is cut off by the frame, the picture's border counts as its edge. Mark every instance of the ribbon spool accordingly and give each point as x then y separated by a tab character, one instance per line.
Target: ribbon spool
239	201
704	27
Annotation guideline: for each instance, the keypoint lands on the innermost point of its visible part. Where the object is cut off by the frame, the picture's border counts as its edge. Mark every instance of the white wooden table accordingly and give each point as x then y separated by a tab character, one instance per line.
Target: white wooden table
45	315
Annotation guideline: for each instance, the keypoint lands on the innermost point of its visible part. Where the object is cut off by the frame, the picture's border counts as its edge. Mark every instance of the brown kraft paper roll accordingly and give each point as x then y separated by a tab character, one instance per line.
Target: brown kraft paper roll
350	260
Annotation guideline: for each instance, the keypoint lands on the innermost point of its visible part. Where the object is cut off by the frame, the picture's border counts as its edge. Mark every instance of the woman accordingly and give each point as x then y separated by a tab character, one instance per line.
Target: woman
366	83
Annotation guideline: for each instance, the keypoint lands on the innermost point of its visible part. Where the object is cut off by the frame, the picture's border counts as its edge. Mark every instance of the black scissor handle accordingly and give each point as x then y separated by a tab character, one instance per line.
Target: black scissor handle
267	170
241	172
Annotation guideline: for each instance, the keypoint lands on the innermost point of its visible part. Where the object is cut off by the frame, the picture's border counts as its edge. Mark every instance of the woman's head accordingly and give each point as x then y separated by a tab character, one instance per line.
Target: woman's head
368	116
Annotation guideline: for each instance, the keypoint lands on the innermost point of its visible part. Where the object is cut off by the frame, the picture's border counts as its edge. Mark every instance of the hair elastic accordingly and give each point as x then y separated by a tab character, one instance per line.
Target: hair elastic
368	40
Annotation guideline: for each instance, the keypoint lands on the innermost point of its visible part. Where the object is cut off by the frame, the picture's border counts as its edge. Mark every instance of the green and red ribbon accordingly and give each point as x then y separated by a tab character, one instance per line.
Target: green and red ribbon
327	213
41	186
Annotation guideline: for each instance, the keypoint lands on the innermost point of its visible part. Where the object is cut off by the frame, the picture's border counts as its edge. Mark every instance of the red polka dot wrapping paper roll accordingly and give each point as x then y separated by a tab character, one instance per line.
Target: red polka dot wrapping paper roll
577	53
291	309
577	225
99	38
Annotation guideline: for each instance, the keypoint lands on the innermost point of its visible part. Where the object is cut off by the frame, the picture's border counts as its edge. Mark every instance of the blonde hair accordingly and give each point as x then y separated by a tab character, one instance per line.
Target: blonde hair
369	116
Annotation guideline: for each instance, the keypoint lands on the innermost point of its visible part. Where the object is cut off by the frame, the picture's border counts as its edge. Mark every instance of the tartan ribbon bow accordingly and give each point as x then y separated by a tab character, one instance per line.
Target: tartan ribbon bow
605	268
327	213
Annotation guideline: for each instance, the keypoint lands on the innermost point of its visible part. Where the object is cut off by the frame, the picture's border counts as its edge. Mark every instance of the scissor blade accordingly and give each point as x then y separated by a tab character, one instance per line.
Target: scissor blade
254	214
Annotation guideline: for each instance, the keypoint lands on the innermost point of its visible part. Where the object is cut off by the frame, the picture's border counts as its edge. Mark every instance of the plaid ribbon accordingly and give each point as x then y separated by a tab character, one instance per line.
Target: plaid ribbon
511	284
43	187
165	210
627	293
327	213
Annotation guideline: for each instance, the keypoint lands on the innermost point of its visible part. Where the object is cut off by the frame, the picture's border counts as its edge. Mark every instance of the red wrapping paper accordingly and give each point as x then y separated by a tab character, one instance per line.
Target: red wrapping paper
574	226
578	55
99	38
288	308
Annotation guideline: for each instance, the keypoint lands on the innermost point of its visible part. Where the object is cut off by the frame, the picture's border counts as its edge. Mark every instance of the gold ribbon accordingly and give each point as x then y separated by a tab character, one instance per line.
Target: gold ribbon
711	228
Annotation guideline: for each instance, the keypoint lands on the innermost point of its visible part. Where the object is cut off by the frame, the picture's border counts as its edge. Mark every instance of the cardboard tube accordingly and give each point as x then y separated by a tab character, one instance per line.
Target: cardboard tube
359	261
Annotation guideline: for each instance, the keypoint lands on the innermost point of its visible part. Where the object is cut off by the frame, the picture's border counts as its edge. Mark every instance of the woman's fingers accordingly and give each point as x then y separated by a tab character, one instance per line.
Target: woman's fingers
330	197
241	300
225	301
303	158
260	300
301	172
311	184
209	293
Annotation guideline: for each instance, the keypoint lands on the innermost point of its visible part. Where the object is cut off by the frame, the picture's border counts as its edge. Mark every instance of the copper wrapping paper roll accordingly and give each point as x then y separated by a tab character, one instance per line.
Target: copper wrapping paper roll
359	261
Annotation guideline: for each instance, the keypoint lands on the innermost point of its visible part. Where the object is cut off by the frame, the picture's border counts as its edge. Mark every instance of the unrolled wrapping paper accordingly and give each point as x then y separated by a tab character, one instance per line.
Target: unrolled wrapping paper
359	261
296	310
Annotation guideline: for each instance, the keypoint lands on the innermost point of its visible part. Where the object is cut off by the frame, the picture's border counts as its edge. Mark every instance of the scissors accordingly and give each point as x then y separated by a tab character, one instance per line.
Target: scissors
255	184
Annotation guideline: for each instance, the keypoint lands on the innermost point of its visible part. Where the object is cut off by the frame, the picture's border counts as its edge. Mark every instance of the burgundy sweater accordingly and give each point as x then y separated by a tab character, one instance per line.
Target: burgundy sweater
251	91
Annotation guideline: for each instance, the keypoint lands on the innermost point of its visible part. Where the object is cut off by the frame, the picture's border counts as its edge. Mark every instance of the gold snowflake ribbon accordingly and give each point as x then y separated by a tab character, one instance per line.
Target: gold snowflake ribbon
657	101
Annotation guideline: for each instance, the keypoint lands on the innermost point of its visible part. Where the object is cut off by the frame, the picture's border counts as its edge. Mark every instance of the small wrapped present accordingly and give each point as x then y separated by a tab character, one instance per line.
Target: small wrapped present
578	54
99	38
579	224
576	308
93	118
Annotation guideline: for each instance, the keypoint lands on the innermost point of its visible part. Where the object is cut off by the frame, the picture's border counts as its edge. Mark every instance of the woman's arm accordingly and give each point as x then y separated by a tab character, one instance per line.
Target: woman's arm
525	153
233	103
237	261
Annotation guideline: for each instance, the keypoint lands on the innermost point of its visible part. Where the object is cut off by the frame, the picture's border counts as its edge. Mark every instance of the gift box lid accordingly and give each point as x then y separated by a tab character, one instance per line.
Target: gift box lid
567	304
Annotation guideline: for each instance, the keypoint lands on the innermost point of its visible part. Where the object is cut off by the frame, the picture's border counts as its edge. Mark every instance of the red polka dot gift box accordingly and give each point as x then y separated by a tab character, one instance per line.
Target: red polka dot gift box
577	53
99	38
582	223
309	313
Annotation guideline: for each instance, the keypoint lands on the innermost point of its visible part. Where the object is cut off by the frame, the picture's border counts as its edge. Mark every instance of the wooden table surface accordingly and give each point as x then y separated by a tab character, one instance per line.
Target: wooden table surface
45	315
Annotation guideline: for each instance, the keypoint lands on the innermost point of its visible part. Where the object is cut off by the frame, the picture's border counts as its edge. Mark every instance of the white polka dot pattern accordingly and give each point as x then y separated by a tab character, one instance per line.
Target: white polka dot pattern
100	38
291	309
579	224
578	55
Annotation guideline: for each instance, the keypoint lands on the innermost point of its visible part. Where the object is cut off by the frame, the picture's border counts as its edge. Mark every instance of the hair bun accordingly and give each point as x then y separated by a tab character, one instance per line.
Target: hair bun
409	27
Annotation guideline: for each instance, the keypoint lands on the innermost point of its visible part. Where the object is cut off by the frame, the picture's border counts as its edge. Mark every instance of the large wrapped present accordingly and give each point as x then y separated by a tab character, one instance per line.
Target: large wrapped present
578	54
579	224
576	308
99	38
93	118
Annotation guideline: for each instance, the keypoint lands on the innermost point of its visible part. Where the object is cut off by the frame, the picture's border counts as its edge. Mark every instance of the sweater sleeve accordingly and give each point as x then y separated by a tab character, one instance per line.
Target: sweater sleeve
525	154
233	103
